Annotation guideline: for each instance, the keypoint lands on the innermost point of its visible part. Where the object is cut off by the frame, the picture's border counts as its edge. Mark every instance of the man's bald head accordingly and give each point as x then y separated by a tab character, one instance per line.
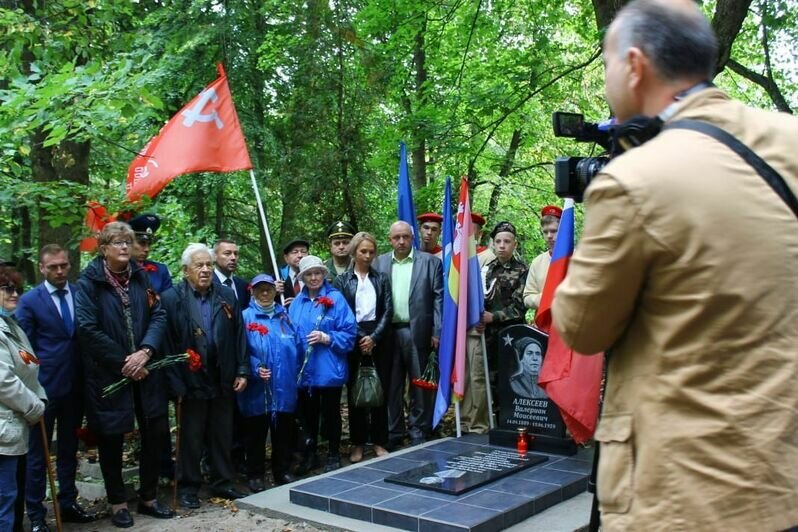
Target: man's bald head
673	34
401	237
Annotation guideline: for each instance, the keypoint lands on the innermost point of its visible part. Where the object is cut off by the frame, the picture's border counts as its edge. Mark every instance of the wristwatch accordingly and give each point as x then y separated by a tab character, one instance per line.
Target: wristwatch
147	349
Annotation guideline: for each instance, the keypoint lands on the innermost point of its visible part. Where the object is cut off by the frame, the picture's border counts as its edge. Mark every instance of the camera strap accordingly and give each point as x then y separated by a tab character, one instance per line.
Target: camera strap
771	176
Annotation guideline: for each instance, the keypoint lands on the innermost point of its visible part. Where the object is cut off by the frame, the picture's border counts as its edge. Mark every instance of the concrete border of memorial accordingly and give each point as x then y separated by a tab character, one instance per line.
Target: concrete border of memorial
522	403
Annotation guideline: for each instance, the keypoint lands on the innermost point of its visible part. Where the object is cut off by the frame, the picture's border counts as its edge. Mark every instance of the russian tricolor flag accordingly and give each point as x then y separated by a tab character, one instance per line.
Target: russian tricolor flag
570	379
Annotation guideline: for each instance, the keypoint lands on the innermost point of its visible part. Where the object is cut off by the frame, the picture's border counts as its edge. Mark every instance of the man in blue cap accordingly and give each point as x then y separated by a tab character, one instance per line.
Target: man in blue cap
145	226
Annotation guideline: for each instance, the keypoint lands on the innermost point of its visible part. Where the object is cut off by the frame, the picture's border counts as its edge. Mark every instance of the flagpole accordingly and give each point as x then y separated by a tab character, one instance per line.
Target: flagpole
266	229
487	381
457	417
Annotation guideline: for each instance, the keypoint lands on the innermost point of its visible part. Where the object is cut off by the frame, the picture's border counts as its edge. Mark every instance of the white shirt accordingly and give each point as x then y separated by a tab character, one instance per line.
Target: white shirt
365	299
222	278
57	300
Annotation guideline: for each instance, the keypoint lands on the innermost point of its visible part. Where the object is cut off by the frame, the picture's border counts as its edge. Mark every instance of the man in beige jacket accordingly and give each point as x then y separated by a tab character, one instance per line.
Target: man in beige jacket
687	272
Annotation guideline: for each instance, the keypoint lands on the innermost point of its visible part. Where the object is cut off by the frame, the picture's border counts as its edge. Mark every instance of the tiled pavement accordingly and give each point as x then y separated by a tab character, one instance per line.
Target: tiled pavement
360	492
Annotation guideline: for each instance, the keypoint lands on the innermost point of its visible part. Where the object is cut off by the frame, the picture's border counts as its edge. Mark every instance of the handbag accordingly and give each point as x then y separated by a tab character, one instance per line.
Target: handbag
367	390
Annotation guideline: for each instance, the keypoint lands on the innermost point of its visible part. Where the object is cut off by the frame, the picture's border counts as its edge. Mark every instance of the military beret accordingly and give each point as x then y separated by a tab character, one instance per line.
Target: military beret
294	243
430	217
551	210
340	229
503	227
145	226
477	219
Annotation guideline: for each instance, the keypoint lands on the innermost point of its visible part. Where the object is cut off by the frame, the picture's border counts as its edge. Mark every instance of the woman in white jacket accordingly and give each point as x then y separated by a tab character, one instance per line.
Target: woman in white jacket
21	397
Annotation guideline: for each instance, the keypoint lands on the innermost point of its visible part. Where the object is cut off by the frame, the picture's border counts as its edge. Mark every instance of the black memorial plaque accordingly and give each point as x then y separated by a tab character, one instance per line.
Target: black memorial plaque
463	472
522	403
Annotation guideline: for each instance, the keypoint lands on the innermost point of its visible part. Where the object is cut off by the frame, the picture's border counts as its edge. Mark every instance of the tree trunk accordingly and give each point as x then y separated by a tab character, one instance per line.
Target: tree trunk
219	225
727	22
504	172
419	149
606	10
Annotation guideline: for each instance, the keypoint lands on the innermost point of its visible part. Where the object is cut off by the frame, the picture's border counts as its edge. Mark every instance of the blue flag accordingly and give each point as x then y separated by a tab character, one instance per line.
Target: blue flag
406	208
449	319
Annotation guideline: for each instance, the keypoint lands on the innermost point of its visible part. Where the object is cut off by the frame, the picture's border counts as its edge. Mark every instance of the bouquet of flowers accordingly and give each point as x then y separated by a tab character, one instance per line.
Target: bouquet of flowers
190	357
429	379
325	303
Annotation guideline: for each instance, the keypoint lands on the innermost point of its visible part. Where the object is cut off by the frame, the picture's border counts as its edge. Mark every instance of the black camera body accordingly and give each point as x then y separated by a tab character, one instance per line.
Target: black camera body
573	174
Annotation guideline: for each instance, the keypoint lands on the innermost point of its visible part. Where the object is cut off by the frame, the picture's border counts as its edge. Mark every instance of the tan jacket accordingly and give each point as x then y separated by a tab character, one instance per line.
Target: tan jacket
21	395
536	280
688	270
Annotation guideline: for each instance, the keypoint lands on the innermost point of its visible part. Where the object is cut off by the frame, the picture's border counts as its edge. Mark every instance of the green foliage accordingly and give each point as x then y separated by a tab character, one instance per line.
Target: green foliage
325	91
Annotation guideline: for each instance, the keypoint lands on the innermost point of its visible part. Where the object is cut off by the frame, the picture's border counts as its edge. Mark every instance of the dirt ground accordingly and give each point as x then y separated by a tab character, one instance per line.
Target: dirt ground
215	514
210	518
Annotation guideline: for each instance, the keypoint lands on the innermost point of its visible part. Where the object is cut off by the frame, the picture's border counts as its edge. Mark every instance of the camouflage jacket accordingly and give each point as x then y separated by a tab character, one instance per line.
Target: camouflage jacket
331	272
504	290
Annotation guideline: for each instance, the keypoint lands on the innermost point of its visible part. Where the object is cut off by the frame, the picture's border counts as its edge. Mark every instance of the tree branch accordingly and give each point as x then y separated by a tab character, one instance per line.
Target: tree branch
766	83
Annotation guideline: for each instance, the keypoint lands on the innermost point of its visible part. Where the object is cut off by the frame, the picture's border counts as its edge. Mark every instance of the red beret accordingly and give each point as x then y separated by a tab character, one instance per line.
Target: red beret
477	218
430	217
551	210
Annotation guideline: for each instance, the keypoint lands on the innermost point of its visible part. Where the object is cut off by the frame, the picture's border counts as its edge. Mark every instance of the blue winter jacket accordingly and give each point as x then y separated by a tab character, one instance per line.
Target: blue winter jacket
278	350
327	365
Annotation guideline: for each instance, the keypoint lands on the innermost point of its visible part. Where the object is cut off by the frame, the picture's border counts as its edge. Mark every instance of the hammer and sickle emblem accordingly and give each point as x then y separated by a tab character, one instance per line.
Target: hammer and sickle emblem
140	172
195	114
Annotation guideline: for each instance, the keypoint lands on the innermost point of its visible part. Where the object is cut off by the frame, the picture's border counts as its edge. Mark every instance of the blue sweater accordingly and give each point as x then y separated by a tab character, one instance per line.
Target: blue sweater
327	364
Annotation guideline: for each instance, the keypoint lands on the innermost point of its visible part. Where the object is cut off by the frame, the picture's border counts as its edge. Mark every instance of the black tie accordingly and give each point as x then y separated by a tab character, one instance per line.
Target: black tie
229	283
65	314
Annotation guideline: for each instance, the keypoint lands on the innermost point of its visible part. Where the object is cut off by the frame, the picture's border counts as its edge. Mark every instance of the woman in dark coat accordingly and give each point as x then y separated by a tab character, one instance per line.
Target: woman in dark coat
368	293
120	329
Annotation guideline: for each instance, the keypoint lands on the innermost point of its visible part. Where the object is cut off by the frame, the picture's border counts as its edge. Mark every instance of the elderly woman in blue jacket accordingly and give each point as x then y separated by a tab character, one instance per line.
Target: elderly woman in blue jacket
327	330
269	400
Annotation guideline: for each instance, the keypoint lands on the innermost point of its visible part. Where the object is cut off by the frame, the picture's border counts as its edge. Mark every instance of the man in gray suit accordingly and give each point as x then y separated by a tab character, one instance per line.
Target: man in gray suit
417	289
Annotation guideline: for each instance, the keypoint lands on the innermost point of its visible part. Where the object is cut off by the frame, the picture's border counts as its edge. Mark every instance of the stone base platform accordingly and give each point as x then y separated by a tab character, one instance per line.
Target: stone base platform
359	492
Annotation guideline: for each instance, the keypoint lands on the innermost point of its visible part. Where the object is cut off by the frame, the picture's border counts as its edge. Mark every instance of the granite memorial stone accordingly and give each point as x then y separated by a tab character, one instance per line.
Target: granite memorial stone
463	472
522	403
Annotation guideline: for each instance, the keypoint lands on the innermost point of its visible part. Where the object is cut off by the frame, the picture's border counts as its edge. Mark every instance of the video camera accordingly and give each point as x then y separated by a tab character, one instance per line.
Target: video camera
573	174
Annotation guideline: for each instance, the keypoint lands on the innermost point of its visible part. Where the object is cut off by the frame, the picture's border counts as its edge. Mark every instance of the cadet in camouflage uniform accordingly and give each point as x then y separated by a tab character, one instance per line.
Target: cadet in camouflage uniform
504	279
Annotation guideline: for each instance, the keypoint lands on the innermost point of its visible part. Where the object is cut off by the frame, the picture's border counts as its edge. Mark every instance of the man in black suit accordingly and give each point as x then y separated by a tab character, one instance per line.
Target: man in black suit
205	316
417	290
226	253
47	315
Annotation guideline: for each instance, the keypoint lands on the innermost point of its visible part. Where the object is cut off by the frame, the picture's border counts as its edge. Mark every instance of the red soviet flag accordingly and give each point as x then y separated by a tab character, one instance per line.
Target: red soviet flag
204	136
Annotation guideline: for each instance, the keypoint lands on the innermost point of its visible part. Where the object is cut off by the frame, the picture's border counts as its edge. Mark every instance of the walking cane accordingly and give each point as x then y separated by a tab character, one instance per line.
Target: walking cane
58	525
177	450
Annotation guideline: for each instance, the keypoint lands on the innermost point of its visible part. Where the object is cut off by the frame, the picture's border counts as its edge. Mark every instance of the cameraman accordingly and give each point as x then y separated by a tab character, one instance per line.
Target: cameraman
688	270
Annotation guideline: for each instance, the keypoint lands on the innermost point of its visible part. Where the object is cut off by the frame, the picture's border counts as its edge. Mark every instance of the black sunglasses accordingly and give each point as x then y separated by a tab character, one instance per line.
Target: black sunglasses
11	289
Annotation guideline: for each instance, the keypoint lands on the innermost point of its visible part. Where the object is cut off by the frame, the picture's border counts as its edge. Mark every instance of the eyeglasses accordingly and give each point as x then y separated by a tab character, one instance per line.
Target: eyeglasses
121	243
9	289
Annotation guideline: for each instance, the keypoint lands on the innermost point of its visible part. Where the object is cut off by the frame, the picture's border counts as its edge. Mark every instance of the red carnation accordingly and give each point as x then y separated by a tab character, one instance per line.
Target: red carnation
151	267
325	302
425	384
194	361
252	326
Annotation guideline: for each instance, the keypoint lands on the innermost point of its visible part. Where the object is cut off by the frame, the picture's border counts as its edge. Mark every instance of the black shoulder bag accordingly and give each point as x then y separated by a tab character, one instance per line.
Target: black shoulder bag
771	176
